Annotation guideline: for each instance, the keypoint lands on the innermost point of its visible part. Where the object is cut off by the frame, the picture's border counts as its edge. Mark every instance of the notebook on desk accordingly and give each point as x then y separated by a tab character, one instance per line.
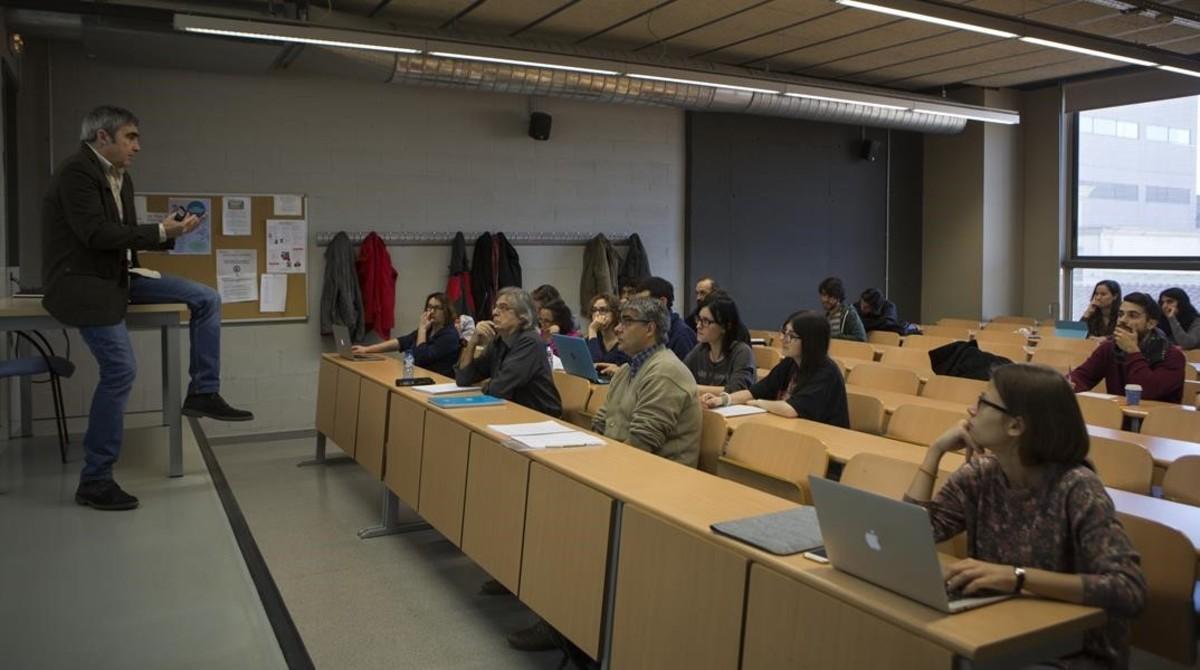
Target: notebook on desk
781	533
458	402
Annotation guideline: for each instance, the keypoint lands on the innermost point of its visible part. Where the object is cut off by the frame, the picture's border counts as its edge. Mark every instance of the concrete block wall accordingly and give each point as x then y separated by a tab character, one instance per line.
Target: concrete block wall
372	156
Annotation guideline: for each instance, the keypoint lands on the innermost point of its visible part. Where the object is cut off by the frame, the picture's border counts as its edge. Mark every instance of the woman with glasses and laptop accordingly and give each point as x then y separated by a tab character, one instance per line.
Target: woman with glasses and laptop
722	360
1037	517
602	341
434	344
806	384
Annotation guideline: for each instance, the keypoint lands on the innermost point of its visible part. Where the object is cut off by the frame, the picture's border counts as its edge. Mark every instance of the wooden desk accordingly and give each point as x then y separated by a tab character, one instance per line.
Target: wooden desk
1183	518
1164	450
891	399
28	314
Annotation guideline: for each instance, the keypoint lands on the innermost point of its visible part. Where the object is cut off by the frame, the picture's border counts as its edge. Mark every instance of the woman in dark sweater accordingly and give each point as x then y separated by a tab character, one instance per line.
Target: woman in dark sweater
723	360
1037	517
1101	312
434	344
602	333
806	384
1179	318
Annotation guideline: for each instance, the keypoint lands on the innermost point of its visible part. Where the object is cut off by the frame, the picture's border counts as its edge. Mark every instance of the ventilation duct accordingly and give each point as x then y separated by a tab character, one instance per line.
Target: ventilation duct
427	70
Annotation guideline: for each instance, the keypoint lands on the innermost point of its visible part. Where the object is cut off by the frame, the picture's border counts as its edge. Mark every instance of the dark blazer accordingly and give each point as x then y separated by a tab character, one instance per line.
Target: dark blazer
84	240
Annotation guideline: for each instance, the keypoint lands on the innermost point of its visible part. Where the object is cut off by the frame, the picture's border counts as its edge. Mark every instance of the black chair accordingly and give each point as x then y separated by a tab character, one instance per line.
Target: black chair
45	362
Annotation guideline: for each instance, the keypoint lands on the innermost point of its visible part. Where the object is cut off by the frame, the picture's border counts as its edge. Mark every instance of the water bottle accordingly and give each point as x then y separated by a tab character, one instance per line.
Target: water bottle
408	365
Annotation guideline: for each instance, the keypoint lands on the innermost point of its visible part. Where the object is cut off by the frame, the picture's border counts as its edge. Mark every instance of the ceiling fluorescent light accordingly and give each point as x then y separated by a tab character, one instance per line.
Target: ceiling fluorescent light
926	18
1179	70
845	101
1089	52
279	32
693	82
1009	119
509	61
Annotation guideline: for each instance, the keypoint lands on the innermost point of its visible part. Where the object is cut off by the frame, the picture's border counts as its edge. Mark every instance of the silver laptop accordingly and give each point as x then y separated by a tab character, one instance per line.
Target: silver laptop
341	336
886	542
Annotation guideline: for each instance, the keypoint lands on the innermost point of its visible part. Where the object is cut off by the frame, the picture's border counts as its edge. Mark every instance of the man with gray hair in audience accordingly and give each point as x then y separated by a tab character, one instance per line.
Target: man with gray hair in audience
651	401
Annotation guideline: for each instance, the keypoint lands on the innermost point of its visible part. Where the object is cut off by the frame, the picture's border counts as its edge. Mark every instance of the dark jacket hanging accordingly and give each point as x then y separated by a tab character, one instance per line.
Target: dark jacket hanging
458	288
508	265
636	265
341	299
482	279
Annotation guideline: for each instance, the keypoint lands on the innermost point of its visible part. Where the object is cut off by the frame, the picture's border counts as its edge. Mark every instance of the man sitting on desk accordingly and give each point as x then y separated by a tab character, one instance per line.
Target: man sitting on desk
514	358
1137	353
91	273
651	401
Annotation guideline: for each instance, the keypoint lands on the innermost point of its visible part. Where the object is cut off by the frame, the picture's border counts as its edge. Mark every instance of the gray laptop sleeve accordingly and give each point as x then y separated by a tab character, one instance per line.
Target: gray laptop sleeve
782	533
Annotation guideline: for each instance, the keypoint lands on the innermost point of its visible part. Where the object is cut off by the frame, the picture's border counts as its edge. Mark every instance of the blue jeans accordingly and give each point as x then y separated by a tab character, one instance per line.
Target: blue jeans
118	368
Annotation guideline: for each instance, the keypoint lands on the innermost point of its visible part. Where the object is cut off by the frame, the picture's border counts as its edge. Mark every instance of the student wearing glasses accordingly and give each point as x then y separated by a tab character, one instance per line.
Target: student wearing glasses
1037	517
514	356
602	334
722	361
806	384
434	343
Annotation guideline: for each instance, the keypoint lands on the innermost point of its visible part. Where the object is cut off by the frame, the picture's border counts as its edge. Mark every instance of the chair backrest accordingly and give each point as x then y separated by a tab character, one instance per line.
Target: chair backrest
766	357
927	342
884	378
879	474
1193	355
850	349
1013	352
1061	360
1016	320
714	432
1191	393
1122	465
953	389
884	337
952	332
1182	481
1100	412
866	412
911	359
1179	423
597	399
921	425
574	391
1001	335
1167	624
767	336
776	453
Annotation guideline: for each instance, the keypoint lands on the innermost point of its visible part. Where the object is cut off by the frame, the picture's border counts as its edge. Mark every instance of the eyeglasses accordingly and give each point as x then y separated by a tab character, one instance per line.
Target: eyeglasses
982	401
788	336
627	321
601	310
501	307
703	322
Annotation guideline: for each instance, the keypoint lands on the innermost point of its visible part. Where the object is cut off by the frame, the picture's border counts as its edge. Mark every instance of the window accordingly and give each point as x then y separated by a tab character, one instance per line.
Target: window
1104	127
1181	136
1178	196
1127	129
1155	133
1108	191
1085	126
1152	282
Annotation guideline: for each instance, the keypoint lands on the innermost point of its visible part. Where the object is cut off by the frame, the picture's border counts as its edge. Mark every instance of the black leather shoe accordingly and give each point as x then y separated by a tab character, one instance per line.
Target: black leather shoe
538	637
104	494
494	588
213	406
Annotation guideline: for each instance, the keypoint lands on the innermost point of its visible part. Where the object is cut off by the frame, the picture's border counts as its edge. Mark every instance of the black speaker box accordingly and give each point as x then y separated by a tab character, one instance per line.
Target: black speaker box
539	126
869	151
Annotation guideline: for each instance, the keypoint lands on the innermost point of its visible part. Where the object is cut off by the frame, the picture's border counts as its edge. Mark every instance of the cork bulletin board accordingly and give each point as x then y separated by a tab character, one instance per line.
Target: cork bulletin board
202	267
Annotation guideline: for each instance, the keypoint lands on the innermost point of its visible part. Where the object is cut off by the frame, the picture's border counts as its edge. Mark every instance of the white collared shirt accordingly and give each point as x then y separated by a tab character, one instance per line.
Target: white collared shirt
116	180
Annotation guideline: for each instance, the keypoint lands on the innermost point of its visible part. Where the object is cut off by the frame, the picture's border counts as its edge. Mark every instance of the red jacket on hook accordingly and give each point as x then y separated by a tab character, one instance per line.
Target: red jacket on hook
377	278
458	288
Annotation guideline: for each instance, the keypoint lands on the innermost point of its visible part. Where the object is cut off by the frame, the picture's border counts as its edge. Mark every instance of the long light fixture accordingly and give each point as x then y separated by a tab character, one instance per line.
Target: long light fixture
290	33
846	101
1088	52
528	63
708	84
1179	70
1002	117
905	14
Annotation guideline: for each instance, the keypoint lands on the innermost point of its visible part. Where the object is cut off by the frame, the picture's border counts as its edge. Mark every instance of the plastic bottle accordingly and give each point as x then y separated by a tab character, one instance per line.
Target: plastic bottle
408	365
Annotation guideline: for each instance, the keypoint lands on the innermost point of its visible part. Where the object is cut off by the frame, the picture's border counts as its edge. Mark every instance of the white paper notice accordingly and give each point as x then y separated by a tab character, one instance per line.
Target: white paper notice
139	204
235	215
272	297
237	275
287	246
289	205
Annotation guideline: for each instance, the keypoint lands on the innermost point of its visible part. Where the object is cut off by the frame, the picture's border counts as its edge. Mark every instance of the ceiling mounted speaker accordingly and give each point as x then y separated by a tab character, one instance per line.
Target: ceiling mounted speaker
870	150
539	126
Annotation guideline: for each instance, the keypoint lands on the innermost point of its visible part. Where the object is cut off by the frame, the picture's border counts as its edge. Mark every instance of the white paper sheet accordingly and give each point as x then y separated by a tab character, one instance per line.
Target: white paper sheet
437	389
235	215
272	296
237	275
289	205
287	246
553	440
536	428
199	241
739	410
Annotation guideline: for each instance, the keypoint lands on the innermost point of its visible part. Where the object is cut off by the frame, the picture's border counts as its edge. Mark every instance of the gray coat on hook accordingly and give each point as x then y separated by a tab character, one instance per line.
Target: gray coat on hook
341	297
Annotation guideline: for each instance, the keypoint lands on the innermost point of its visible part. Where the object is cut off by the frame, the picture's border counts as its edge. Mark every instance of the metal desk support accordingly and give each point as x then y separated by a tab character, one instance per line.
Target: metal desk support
388	525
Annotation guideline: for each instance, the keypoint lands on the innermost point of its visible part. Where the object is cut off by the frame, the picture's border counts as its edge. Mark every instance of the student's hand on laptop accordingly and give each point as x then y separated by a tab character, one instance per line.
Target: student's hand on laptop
957	439
607	369
360	349
971	576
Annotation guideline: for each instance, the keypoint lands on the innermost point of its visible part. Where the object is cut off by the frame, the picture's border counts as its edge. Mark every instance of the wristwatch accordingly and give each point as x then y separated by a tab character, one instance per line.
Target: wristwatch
1019	573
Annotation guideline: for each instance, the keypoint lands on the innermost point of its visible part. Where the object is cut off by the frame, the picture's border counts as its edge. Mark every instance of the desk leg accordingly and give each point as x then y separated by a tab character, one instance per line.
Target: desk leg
610	586
172	404
319	456
388	525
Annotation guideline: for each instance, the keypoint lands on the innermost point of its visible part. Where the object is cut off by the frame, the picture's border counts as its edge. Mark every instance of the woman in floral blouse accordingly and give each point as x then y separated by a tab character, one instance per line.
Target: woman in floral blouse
1037	517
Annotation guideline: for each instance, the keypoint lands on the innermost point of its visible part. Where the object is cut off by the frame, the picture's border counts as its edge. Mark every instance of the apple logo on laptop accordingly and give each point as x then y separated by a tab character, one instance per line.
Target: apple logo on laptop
873	540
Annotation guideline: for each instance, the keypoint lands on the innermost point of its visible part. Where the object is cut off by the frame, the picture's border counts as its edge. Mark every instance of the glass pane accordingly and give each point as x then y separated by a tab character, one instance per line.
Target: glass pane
1146	281
1085	126
1138	180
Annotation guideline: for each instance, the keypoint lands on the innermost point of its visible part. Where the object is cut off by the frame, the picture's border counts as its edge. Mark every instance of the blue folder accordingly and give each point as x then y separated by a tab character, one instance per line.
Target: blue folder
453	402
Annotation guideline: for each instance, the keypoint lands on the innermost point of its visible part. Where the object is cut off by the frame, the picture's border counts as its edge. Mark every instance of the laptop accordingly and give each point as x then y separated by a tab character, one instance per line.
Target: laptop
886	542
577	359
1070	329
341	336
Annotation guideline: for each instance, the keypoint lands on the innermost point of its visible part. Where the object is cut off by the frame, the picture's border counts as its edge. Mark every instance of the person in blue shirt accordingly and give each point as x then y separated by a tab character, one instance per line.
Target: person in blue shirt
680	338
434	344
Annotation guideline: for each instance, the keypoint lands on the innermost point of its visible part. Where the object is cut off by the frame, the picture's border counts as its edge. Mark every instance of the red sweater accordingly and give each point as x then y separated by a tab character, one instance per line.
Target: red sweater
1160	381
377	278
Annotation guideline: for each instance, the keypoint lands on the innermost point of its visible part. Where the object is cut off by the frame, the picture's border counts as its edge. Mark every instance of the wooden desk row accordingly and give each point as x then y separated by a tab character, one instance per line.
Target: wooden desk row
612	546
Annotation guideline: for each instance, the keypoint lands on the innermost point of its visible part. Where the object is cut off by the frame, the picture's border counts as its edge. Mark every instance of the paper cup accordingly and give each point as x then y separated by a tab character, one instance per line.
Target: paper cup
1133	394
